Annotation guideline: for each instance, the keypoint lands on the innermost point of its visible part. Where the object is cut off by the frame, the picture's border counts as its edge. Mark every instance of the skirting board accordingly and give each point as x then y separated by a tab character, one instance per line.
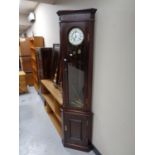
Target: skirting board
96	151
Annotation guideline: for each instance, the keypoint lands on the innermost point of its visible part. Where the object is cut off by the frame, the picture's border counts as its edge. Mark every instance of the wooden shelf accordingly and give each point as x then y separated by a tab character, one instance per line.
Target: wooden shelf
53	105
22	82
34	68
33	59
36	86
36	41
32	48
35	78
49	85
55	121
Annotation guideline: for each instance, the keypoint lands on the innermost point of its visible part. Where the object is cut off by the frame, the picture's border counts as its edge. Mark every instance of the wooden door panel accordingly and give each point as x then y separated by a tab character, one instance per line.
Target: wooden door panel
77	128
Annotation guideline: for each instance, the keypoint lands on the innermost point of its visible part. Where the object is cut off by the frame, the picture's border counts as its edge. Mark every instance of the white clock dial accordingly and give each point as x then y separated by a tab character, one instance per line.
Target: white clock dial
76	36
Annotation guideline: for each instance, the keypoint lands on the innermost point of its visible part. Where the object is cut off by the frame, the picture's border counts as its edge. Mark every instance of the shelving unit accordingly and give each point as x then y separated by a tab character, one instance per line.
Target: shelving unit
53	103
35	42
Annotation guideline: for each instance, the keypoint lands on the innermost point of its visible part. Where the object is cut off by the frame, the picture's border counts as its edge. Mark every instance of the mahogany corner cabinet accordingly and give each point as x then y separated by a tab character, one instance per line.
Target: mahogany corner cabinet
76	47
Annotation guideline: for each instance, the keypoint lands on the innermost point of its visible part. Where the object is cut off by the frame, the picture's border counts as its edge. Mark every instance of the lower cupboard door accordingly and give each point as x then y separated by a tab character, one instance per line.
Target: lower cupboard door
76	129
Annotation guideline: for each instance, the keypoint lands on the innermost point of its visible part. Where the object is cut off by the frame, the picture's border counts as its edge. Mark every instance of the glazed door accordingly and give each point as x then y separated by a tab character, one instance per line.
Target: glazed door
75	68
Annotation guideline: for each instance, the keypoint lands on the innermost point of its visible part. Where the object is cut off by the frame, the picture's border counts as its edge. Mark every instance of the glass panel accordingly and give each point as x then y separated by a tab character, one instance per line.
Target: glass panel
76	85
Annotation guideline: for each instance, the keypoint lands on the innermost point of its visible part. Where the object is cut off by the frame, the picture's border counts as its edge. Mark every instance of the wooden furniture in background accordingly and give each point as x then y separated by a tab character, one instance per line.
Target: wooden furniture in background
24	47
35	42
53	103
22	82
26	65
48	62
44	57
55	62
25	59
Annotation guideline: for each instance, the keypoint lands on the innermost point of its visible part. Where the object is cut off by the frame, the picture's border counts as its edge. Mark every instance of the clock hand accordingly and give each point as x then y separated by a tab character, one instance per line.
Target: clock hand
75	36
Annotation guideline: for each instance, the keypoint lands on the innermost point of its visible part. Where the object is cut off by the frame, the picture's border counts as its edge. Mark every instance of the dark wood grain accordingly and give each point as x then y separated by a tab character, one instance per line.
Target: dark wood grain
44	57
55	61
77	120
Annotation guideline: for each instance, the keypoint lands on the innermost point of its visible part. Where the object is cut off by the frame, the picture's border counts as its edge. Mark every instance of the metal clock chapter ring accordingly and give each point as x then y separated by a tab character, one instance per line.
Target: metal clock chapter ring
76	36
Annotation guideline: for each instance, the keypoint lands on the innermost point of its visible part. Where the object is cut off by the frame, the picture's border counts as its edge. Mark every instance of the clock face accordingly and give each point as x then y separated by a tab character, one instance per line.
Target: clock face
76	36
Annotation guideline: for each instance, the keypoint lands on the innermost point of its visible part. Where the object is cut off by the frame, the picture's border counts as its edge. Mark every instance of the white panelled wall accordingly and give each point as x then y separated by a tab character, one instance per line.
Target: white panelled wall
113	76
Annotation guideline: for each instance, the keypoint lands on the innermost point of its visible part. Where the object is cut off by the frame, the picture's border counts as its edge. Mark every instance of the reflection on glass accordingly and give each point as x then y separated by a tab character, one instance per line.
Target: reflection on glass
76	86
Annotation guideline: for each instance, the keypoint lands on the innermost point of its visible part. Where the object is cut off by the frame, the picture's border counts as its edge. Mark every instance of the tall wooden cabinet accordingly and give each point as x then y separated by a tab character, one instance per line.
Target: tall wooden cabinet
76	44
35	42
44	58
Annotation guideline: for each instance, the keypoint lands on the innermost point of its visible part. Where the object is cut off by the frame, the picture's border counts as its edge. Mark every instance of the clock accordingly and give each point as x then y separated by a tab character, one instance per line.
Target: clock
76	48
76	36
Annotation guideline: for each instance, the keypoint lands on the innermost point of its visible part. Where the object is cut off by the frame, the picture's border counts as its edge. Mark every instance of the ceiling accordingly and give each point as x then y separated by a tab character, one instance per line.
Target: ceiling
25	7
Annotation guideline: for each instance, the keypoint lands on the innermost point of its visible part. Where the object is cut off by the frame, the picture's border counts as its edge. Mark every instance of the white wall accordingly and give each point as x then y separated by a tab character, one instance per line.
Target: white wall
46	24
23	20
113	77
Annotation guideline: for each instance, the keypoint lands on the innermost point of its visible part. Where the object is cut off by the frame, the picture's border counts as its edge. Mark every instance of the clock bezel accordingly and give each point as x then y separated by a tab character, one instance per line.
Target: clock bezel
69	36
